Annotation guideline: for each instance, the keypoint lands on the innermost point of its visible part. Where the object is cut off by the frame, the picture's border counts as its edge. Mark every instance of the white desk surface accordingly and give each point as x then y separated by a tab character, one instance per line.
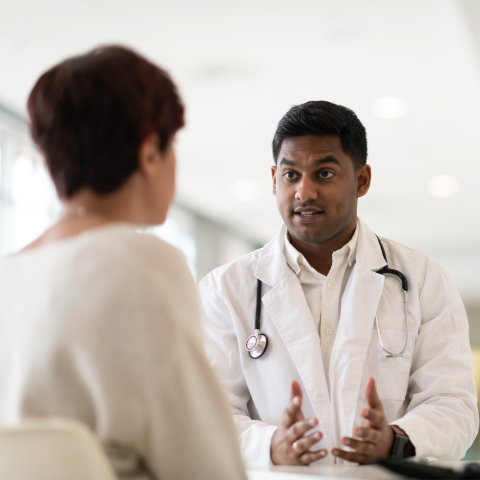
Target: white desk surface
331	472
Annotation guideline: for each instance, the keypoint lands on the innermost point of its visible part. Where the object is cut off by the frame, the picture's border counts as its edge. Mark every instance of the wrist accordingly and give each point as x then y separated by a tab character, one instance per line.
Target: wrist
272	442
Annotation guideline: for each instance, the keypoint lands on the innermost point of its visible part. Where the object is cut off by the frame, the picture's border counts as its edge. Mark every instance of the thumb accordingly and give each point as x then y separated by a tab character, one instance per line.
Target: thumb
371	395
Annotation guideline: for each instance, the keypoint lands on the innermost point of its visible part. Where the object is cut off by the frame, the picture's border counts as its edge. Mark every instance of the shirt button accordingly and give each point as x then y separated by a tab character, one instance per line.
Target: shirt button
328	331
330	285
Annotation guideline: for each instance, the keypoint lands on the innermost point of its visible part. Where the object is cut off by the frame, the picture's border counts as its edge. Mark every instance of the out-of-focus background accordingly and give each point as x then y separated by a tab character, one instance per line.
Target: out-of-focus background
408	68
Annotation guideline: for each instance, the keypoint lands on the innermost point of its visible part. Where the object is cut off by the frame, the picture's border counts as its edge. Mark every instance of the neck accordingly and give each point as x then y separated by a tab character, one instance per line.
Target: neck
118	206
319	255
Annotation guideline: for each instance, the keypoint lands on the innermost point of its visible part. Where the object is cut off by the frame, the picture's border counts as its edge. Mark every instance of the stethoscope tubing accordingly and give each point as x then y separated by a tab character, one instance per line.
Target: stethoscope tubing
257	343
386	270
405	309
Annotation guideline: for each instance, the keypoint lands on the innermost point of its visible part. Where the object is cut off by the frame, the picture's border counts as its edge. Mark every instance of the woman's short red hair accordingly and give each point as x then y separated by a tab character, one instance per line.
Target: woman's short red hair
89	115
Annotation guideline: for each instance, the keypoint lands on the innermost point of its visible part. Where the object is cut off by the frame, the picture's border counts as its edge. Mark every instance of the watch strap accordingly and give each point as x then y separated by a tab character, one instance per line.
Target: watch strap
399	446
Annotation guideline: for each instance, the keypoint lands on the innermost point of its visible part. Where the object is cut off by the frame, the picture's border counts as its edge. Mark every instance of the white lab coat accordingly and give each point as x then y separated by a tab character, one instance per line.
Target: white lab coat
429	392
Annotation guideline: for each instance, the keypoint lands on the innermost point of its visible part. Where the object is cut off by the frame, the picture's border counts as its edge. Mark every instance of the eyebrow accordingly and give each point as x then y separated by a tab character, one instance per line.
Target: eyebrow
316	163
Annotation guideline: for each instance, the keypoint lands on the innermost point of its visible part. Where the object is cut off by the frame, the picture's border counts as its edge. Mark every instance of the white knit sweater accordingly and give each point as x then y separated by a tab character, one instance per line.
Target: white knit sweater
104	327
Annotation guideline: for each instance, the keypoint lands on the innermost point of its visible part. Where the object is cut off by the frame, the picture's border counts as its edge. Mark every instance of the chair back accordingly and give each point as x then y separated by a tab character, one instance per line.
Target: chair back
52	449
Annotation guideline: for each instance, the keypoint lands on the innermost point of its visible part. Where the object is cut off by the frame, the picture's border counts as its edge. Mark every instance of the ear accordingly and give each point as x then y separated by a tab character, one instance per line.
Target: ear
149	154
274	179
364	177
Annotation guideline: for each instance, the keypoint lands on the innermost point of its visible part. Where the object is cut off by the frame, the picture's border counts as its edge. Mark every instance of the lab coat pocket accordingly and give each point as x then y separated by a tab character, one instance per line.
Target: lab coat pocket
393	372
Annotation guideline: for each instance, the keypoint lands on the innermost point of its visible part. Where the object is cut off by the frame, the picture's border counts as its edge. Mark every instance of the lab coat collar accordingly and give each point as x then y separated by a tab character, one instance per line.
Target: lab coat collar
369	254
272	266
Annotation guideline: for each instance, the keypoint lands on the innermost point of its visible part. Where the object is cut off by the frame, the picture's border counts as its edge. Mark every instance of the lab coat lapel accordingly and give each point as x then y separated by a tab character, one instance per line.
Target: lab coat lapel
287	306
358	307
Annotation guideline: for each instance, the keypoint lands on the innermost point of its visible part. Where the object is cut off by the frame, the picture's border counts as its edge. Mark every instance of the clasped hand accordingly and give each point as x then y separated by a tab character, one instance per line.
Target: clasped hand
292	446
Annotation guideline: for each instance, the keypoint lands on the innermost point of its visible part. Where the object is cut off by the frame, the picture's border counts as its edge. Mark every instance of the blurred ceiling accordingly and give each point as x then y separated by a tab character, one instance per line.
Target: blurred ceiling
241	64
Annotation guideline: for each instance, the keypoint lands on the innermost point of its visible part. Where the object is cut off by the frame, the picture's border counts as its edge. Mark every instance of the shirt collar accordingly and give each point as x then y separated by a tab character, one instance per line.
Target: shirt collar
350	248
295	258
292	255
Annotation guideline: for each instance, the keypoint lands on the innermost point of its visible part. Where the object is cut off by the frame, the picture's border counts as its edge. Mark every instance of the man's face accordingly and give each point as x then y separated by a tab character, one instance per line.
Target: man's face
317	187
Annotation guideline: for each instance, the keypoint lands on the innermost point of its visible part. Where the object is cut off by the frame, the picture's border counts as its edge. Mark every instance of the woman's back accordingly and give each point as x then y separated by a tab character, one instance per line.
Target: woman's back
103	327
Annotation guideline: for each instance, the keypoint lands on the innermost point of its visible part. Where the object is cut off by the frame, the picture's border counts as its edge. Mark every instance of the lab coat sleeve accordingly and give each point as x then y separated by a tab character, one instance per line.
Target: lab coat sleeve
223	353
442	417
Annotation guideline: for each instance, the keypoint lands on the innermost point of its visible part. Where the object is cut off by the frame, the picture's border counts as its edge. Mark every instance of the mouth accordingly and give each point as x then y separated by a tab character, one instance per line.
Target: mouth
307	215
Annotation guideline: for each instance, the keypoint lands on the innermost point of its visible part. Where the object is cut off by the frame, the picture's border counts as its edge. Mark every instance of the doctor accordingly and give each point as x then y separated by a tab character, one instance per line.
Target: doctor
330	386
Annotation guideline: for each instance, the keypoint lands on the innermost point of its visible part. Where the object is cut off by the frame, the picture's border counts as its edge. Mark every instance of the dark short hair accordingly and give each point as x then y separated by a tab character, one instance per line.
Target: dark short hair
89	115
324	118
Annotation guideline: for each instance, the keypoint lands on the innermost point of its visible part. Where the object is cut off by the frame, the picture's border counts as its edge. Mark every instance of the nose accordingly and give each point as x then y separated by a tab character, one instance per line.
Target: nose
306	190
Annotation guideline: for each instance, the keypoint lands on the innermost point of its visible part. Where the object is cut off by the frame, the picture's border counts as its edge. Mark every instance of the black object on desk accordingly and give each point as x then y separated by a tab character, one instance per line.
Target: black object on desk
424	471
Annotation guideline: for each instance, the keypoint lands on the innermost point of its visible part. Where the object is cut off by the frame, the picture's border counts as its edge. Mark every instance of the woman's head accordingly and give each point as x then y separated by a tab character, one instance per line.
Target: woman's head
90	115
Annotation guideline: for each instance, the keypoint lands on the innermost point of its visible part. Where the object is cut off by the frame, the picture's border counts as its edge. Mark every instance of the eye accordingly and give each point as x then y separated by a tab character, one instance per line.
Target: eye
289	175
325	174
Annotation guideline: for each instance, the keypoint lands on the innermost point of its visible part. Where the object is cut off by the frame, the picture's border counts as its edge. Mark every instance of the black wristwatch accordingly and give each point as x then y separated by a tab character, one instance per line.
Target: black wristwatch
401	447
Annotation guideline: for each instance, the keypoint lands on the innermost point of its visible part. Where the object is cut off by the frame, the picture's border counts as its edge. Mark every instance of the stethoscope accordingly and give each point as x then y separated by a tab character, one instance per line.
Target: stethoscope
258	342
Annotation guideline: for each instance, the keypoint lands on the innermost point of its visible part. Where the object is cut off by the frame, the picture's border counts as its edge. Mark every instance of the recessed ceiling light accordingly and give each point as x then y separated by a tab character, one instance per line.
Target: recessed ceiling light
246	190
390	107
443	186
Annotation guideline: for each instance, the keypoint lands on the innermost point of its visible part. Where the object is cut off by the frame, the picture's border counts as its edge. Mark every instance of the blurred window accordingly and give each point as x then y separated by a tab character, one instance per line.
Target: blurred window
34	205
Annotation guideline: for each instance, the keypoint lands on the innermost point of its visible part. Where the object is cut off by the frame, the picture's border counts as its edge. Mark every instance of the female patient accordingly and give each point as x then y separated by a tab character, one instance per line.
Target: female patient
99	322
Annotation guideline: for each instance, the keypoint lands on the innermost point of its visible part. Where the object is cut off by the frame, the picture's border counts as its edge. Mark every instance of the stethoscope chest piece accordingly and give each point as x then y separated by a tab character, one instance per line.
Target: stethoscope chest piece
257	344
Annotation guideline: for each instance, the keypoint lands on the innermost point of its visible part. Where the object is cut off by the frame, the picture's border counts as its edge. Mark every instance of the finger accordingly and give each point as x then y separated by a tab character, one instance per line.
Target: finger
304	444
359	446
310	457
367	434
372	395
352	456
292	413
296	389
296	392
365	423
299	429
376	418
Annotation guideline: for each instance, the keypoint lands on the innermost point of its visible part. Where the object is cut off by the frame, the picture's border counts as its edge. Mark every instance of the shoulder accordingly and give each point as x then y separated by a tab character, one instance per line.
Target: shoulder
125	248
152	253
397	252
399	255
119	266
421	270
133	279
